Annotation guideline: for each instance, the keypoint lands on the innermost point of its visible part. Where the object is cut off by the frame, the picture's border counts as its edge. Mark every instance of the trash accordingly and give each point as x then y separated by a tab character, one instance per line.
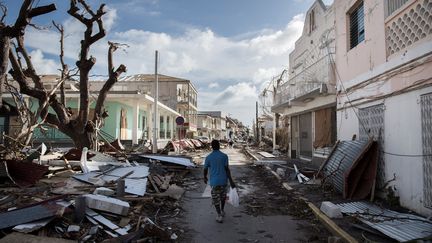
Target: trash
266	155
135	181
105	222
83	161
280	172
233	197
330	209
171	159
107	204
32	226
399	226
300	177
23	173
174	236
41	210
173	191
73	228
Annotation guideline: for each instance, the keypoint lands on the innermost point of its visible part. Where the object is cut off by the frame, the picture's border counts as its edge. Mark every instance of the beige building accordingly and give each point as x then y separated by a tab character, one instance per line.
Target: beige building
176	93
218	127
384	67
307	98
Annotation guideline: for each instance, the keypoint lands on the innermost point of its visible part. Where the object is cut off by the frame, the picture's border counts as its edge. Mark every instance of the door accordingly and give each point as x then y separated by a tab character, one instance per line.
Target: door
305	129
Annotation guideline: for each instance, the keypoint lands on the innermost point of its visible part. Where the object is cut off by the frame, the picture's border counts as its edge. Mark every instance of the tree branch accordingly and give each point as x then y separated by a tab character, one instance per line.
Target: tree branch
113	78
65	68
4	10
41	10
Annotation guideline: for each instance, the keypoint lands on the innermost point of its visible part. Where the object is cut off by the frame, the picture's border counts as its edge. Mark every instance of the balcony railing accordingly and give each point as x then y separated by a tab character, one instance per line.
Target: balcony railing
310	78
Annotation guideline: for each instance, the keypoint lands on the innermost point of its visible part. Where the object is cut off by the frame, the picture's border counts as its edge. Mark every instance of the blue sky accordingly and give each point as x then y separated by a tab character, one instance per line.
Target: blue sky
229	49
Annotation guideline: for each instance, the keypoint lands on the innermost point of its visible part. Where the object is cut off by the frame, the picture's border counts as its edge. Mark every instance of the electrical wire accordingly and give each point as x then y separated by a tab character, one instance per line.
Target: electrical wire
349	100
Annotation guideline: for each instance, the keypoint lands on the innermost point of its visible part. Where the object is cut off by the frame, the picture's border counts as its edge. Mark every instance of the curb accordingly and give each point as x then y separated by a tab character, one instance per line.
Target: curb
328	223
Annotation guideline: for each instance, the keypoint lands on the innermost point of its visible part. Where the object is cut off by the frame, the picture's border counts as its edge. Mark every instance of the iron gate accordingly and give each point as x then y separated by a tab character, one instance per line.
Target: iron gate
371	124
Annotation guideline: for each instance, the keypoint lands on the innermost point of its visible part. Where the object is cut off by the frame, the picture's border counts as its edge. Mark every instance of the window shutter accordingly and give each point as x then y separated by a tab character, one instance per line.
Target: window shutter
357	26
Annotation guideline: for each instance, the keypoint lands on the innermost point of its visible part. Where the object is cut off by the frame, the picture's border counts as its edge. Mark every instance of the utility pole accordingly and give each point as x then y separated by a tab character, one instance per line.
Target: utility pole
155	109
256	122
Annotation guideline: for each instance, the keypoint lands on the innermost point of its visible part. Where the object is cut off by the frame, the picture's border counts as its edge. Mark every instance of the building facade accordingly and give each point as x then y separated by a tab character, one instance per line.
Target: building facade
176	93
307	99
218	127
384	69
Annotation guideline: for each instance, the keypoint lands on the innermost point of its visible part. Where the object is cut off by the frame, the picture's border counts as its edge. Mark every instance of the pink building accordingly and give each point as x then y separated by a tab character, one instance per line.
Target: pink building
384	78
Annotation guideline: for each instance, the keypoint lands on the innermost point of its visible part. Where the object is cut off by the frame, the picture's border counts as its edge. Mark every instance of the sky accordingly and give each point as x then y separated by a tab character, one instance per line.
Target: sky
229	49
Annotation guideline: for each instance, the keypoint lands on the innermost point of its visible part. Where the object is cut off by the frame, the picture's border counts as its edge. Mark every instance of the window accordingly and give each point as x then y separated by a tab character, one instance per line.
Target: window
356	20
393	5
312	21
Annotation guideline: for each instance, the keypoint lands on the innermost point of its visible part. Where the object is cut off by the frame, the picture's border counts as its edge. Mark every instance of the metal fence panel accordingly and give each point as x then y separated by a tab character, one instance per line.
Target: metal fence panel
426	120
371	124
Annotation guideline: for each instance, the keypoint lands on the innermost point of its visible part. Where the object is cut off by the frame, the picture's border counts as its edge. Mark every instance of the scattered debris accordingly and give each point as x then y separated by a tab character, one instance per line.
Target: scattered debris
399	226
107	204
351	168
266	155
171	159
45	209
300	177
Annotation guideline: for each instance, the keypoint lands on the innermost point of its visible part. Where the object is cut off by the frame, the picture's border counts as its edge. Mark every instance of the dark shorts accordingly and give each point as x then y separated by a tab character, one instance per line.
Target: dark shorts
218	194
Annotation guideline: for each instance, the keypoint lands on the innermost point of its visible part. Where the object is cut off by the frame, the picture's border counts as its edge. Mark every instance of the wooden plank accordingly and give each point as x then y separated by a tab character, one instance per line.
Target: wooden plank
266	155
150	178
332	226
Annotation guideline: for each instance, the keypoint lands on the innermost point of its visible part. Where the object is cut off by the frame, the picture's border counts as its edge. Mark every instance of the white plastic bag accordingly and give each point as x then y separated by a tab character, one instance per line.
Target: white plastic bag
233	197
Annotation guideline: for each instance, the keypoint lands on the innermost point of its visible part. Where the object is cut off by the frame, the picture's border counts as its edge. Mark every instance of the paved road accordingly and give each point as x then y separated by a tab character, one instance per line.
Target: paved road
238	226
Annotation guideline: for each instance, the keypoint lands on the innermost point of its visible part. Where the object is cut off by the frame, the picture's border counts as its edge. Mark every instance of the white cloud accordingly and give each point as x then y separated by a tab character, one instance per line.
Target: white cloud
213	85
239	65
43	65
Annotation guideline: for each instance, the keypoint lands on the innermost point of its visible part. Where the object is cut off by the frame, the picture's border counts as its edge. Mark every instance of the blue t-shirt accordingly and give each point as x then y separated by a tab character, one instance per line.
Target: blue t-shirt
216	162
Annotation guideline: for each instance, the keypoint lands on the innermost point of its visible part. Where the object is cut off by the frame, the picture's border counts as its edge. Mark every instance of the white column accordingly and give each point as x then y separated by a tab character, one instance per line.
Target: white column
135	123
150	118
166	125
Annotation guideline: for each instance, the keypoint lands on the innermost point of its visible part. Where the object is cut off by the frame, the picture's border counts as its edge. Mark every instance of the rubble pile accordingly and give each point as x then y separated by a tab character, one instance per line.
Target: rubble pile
69	194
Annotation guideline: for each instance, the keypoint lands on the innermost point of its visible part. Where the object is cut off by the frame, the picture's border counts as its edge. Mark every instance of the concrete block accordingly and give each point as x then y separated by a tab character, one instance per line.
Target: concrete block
331	210
103	191
73	228
107	204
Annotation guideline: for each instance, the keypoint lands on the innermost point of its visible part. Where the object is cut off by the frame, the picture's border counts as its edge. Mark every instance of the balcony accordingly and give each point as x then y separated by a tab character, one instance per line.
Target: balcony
313	80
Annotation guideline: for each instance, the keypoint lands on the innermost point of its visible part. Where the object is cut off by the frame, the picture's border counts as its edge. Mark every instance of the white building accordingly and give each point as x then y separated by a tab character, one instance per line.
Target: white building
384	69
307	99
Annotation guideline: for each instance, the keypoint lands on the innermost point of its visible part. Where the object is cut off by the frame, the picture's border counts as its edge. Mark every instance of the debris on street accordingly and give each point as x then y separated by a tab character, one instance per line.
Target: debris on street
69	194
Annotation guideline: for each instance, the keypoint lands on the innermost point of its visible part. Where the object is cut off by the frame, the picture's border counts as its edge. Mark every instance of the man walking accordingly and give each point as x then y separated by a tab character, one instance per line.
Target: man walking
217	163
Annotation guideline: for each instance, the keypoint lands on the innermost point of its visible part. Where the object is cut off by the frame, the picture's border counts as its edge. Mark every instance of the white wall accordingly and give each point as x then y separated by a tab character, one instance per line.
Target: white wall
402	135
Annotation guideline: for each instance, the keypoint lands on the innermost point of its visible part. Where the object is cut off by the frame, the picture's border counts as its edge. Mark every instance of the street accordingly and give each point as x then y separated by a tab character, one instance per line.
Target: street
251	221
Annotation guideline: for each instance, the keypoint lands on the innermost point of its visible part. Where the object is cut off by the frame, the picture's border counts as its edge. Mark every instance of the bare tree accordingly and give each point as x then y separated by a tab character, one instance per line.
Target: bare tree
77	126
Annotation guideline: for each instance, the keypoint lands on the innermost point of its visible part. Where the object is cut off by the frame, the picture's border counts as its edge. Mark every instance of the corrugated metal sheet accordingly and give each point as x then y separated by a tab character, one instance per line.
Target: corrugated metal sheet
136	183
341	161
171	159
399	226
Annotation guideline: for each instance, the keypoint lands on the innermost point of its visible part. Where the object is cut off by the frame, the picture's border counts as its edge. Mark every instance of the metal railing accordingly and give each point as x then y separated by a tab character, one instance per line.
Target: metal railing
310	78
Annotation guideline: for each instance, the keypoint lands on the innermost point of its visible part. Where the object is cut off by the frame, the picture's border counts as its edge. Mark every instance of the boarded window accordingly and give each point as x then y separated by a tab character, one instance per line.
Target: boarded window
324	128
